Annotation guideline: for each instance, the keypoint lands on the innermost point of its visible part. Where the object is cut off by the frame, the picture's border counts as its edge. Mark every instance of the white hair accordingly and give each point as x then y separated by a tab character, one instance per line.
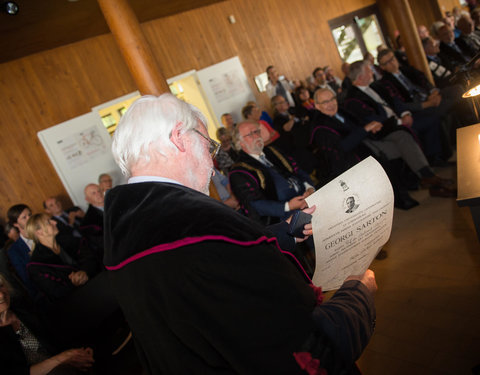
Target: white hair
151	119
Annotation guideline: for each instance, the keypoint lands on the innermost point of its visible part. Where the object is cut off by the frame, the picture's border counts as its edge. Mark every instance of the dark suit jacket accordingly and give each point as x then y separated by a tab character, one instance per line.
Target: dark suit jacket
92	230
93	216
451	57
467	45
255	188
367	109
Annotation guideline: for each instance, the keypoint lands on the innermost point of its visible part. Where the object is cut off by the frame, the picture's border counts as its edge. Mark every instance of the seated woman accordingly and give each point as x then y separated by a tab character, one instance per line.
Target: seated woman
57	265
24	349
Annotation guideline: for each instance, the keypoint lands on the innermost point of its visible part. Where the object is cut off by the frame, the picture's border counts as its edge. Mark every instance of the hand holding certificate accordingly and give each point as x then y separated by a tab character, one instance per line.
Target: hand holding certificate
352	222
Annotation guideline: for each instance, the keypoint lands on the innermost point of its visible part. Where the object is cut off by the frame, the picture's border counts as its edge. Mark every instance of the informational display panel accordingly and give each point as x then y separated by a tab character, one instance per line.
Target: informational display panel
80	150
226	86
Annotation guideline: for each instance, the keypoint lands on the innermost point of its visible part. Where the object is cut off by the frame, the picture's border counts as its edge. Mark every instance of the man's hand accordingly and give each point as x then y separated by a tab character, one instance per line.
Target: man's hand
309	192
367	279
373	127
78	278
407	120
433	100
297	203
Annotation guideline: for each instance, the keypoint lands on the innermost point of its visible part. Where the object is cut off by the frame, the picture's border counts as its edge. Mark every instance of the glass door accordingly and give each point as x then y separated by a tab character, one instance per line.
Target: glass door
357	33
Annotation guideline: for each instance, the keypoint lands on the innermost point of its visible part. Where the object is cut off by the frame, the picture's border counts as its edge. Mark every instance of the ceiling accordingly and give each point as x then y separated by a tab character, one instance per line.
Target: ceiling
44	24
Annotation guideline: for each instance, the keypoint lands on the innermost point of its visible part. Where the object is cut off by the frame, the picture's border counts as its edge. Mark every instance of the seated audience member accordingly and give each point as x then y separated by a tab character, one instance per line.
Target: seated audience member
56	266
252	113
67	223
320	78
105	182
249	309
279	85
374	103
450	53
292	130
227	121
264	116
12	234
423	32
468	41
413	87
347	82
20	251
268	184
450	20
26	346
400	53
95	200
227	154
333	81
440	71
341	138
377	72
423	99
476	20
304	102
224	191
92	223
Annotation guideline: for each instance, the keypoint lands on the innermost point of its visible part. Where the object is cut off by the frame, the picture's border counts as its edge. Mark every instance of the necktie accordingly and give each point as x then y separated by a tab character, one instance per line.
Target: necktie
264	161
370	92
340	118
280	90
413	89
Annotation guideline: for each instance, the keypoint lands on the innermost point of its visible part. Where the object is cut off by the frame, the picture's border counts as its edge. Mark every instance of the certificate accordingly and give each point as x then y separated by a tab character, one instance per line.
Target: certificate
351	223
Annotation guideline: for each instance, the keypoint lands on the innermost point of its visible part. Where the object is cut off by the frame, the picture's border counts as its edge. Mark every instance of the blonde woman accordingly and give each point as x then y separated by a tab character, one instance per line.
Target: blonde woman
57	266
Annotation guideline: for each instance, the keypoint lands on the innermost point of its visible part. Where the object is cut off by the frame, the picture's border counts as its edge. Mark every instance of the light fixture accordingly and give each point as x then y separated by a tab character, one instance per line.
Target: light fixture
10	7
474	91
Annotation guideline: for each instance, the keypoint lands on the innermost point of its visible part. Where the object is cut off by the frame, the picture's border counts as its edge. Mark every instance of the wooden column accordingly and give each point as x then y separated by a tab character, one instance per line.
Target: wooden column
408	31
135	50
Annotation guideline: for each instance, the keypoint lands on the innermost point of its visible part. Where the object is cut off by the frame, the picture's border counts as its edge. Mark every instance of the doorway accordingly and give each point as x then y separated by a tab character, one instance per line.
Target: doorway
357	33
187	88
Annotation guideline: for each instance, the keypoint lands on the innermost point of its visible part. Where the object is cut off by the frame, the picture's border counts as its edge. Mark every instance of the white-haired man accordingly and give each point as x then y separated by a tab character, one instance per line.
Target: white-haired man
203	288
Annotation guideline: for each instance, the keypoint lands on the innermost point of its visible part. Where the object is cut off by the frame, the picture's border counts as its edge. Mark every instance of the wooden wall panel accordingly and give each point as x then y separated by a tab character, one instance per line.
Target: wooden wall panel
45	89
40	91
425	12
448	5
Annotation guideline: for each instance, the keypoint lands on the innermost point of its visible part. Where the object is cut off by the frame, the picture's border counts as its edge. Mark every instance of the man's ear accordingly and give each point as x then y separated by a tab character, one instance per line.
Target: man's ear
177	136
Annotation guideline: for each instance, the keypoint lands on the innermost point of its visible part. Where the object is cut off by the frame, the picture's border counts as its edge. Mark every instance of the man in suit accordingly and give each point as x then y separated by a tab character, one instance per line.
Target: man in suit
92	223
268	184
468	41
450	53
440	71
340	130
95	200
279	85
421	97
68	223
374	103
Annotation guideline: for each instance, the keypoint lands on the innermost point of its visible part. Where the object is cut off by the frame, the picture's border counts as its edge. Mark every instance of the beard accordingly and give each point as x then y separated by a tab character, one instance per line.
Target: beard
200	172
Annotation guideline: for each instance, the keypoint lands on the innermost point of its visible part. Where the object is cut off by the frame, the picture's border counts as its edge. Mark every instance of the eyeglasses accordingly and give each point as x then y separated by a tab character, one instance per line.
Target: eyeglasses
328	101
213	146
252	133
390	60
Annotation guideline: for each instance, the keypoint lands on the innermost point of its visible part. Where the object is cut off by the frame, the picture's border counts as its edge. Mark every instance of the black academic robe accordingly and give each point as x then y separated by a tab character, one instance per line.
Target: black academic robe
206	291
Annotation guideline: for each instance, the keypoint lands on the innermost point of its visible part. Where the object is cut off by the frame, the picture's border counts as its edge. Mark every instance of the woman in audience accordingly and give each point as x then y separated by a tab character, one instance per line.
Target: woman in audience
24	349
57	266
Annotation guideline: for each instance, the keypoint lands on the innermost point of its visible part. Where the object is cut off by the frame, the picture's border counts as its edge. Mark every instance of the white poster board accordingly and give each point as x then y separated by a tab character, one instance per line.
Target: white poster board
80	150
226	86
